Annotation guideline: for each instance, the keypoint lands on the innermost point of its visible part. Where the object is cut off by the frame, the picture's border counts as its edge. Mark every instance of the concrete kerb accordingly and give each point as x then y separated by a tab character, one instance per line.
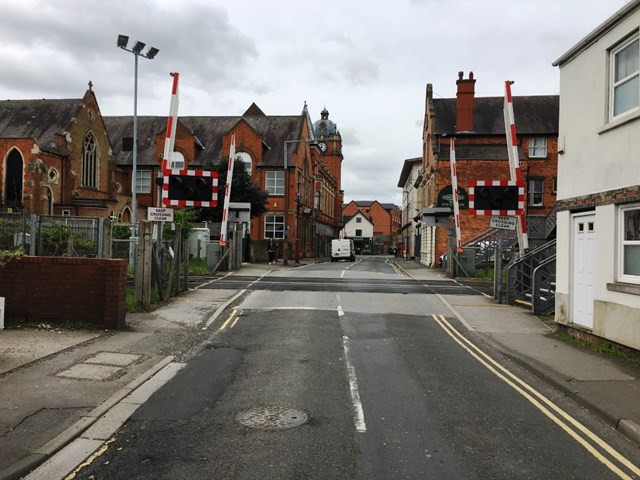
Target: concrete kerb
48	450
628	428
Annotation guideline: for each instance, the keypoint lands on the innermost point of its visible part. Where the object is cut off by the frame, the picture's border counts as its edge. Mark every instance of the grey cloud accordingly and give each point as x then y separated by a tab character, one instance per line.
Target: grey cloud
361	71
196	40
350	136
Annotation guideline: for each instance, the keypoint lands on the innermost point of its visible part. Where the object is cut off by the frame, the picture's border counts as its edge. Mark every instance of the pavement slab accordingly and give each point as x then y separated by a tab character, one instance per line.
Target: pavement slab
20	347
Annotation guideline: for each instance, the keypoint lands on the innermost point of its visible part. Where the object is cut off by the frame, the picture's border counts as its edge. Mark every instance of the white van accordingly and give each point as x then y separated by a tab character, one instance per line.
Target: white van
342	249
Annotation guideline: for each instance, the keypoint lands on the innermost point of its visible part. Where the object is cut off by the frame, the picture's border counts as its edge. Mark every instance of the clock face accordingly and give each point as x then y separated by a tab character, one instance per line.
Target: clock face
323	147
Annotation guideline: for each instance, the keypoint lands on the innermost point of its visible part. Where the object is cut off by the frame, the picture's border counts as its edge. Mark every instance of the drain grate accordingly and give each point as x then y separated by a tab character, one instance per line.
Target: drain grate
272	418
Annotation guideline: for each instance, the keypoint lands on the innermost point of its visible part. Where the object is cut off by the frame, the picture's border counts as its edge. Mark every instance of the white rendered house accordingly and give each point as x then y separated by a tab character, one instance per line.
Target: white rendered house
598	220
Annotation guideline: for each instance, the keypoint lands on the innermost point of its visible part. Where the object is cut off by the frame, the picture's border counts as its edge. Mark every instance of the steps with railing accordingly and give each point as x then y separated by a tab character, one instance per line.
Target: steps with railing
531	279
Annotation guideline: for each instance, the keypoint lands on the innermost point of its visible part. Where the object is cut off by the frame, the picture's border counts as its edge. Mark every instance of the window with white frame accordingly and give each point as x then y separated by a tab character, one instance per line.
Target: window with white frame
536	192
275	182
537	147
629	220
625	78
274	226
143	181
358	219
358	232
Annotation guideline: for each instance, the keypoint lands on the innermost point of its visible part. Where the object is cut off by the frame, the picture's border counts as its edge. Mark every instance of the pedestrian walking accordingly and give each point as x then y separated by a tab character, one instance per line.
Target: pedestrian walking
271	251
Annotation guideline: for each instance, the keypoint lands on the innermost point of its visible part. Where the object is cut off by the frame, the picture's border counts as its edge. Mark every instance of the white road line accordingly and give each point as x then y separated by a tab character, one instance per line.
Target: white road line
360	424
212	281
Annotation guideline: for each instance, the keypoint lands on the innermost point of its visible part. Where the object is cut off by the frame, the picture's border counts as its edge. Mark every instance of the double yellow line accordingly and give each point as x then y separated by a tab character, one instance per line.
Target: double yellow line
570	425
233	317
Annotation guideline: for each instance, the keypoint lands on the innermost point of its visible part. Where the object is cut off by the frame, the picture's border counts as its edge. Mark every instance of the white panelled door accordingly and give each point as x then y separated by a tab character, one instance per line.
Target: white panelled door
584	254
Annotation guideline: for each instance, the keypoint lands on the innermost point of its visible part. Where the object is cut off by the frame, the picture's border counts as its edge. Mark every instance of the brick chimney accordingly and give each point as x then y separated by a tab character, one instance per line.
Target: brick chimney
465	102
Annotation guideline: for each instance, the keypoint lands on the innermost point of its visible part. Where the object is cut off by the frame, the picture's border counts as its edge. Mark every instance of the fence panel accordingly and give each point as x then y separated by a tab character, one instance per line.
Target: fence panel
69	236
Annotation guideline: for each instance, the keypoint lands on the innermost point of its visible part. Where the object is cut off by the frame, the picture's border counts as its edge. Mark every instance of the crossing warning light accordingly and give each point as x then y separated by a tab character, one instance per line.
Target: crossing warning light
495	197
192	188
186	187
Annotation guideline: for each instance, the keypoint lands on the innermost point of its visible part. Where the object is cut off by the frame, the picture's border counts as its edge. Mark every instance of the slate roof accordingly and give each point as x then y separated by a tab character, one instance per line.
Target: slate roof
208	131
40	120
534	115
478	152
351	217
389	206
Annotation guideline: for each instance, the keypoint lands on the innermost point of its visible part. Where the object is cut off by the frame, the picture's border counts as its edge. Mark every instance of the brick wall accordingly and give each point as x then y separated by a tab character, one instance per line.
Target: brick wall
57	290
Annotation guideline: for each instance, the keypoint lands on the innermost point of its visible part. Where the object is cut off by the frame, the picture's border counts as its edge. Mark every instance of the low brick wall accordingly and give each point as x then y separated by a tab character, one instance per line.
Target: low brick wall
57	290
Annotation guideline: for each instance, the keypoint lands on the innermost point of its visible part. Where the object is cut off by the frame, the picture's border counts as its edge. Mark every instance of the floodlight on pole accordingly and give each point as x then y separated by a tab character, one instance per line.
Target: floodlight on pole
137	48
123	40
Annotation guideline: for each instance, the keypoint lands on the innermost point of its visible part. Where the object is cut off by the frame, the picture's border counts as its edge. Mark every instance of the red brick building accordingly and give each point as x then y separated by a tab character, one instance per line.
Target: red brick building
477	124
297	161
57	159
385	219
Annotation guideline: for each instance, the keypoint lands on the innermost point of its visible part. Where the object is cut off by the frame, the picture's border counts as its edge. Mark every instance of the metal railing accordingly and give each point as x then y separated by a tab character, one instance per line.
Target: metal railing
544	287
521	272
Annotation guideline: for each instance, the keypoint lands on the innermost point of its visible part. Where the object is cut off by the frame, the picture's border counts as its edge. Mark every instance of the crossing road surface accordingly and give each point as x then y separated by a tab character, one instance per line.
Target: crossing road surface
354	371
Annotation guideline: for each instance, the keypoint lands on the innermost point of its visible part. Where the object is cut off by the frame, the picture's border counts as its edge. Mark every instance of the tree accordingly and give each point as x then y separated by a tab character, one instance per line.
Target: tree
242	190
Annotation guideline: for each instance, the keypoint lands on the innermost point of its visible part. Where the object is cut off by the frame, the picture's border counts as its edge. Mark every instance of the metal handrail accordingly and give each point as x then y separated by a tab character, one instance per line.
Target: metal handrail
544	304
520	272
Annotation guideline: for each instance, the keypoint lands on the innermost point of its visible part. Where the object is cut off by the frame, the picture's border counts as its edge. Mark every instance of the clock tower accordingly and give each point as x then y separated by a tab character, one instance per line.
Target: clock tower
330	144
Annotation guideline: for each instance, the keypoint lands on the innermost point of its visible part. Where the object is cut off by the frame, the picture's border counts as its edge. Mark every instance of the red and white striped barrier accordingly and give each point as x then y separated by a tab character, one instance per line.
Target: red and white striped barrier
227	192
172	120
514	161
454	188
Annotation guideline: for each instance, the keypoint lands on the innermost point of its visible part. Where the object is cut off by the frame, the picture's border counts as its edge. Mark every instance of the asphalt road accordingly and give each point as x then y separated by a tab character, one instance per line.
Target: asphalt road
348	371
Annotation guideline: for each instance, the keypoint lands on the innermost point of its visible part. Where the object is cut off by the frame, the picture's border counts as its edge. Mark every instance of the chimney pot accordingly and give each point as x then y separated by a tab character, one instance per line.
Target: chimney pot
460	75
470	75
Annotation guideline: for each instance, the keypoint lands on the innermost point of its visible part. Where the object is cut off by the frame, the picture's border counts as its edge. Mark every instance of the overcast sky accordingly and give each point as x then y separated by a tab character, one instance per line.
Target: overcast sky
367	61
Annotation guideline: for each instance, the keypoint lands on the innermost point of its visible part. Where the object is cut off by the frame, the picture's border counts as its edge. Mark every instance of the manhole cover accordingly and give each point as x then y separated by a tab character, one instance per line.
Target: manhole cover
272	418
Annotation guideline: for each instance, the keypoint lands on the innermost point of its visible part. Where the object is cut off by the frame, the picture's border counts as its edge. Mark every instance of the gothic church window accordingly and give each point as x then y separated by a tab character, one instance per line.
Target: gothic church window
89	162
13	180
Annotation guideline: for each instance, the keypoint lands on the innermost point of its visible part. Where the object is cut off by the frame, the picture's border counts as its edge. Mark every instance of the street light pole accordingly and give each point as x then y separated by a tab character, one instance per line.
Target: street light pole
123	40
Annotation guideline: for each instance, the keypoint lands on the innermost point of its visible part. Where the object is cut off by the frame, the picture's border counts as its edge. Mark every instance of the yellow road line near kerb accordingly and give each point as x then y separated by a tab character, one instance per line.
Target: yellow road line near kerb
226	322
98	453
513	380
